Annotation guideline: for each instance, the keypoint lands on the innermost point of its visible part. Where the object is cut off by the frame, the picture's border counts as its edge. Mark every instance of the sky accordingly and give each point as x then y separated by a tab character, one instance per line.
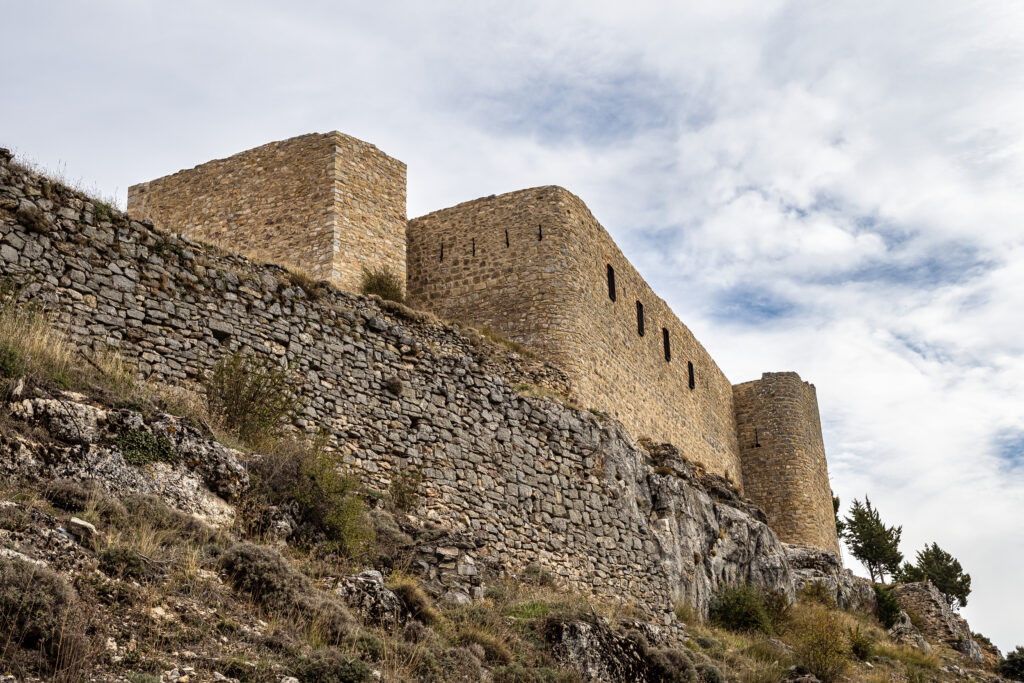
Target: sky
831	188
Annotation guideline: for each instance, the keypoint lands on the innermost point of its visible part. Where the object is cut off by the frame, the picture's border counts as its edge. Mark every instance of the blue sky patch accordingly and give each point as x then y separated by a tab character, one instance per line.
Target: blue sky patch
750	305
1009	448
596	111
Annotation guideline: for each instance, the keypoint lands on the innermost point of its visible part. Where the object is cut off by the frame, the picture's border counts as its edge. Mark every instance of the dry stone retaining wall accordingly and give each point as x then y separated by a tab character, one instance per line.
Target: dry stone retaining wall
530	479
328	203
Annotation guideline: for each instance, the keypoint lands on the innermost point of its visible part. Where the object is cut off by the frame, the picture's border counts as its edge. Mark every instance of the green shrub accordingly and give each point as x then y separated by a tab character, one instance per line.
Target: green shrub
366	644
329	507
709	673
263	573
140	447
382	282
670	666
741	608
1012	666
123	563
861	644
707	642
39	619
820	644
886	607
252	396
405	489
331	665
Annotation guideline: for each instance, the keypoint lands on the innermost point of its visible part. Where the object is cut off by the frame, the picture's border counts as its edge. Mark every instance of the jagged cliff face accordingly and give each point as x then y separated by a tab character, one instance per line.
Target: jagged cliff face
526	480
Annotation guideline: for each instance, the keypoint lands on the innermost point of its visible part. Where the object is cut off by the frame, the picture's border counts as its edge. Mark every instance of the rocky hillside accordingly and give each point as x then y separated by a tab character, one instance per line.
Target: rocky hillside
218	470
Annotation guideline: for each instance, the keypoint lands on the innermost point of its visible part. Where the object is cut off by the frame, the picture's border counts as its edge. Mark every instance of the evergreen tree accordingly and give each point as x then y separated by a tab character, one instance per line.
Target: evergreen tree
1013	666
871	541
840	524
943	570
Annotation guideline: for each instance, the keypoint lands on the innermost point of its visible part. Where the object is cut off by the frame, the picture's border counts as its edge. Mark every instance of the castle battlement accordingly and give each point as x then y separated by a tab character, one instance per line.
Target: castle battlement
535	265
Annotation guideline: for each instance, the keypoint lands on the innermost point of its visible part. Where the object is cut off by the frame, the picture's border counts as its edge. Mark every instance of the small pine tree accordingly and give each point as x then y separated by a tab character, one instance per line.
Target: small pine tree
871	541
1013	666
943	570
840	524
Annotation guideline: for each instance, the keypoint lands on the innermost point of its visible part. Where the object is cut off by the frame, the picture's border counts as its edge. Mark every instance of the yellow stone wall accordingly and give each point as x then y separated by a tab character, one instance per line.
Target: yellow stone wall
547	288
784	468
532	265
327	203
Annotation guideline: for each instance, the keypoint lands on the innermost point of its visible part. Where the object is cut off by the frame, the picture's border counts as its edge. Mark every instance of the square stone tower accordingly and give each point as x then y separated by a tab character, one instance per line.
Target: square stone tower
326	203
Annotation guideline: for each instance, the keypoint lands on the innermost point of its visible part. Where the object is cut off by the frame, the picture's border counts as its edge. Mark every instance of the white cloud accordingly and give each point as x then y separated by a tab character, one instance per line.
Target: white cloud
857	169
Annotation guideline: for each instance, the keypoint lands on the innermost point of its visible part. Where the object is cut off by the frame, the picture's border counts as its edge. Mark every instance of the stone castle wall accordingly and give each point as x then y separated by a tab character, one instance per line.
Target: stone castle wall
784	467
328	203
534	265
490	263
528	480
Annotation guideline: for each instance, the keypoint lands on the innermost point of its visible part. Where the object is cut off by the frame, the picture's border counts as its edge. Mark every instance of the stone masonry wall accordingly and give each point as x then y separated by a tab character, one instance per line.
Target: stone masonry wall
530	479
534	265
495	262
327	203
783	455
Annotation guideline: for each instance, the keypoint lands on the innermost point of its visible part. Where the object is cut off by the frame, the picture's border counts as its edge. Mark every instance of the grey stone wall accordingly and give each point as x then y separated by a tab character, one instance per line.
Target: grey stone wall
529	479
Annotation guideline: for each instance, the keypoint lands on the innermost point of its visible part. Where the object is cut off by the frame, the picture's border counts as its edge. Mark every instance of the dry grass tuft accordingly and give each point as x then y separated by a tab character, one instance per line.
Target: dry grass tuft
31	346
498	339
382	282
301	278
820	642
413	597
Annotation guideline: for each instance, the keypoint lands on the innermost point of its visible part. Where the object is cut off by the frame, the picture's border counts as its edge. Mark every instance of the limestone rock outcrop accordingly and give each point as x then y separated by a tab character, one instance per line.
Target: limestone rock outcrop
817	566
124	453
935	620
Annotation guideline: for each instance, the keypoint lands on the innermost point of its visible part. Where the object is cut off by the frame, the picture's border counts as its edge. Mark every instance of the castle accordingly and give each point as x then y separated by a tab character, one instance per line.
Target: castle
536	266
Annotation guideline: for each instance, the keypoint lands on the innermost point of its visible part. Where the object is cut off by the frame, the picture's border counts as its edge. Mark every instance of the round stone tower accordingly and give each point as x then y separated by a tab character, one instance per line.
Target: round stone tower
783	458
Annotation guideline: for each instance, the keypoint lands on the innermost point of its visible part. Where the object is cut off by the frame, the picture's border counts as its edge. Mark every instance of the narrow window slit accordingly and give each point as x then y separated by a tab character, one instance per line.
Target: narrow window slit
611	282
639	318
506	238
540	233
689	369
666	343
474	246
442	250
